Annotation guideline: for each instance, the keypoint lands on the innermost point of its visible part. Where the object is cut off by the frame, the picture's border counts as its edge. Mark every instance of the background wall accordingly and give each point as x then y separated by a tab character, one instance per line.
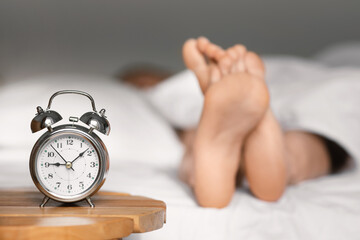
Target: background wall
92	36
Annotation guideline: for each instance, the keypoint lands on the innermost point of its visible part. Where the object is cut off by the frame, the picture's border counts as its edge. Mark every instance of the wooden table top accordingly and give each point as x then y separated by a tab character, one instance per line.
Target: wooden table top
115	215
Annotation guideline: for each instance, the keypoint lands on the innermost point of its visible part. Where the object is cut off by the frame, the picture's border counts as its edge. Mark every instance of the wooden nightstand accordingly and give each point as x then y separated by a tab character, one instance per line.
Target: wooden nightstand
116	215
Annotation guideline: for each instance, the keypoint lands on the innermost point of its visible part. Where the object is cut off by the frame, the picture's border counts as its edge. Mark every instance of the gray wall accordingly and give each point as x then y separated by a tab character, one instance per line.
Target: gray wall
99	36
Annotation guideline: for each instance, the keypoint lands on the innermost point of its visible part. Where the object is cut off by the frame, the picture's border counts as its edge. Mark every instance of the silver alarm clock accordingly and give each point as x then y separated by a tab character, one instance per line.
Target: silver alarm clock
69	162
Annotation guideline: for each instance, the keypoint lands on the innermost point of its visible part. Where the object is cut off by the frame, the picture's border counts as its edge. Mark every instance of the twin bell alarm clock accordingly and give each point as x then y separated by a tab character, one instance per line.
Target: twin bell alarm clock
69	162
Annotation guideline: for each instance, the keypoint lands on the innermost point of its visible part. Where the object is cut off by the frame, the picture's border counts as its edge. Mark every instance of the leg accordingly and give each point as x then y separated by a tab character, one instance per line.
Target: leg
88	200
307	156
235	101
44	201
236	122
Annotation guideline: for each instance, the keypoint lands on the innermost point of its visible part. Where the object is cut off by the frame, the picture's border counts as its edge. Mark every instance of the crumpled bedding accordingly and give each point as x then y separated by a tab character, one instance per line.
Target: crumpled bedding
324	208
305	95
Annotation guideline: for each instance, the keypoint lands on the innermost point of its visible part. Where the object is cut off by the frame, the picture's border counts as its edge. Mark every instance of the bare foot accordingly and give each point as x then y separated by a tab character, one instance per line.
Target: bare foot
236	99
186	168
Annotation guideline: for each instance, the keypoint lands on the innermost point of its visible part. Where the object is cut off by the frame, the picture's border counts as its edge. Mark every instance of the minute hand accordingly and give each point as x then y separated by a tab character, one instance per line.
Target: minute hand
61	156
80	155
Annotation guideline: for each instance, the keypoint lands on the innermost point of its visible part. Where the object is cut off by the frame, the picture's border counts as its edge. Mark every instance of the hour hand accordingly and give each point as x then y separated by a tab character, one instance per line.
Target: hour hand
67	163
57	164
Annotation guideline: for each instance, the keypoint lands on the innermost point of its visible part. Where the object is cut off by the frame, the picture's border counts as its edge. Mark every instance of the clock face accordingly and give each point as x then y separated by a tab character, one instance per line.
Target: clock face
67	165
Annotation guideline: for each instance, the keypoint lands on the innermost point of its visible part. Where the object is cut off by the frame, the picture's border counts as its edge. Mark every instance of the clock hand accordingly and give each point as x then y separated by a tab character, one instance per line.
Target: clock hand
61	156
80	155
58	153
57	164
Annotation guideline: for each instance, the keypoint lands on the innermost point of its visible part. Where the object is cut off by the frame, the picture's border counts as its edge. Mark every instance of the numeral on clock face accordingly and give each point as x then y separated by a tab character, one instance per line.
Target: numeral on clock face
67	165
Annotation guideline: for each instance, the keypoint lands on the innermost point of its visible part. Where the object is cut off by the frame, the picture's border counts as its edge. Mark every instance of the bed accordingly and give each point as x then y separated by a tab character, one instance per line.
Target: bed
145	153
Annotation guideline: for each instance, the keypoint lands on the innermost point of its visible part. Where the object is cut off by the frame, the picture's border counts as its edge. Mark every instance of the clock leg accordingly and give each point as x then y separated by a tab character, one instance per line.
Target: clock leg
44	201
90	202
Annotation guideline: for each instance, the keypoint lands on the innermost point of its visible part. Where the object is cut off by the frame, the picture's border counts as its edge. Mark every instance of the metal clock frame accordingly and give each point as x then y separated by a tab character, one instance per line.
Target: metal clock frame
81	132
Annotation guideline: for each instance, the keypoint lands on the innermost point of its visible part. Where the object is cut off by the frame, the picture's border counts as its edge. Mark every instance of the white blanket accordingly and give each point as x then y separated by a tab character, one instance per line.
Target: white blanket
145	153
305	95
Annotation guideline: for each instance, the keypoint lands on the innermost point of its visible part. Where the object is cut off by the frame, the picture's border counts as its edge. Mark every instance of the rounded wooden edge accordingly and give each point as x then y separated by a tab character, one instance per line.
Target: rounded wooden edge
26	228
107	193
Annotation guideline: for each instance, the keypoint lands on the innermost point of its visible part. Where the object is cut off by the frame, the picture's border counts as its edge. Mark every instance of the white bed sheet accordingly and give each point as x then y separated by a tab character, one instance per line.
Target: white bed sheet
325	208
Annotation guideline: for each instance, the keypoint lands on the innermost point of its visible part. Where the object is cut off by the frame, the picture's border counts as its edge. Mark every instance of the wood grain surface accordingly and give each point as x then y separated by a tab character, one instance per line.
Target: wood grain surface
26	228
115	215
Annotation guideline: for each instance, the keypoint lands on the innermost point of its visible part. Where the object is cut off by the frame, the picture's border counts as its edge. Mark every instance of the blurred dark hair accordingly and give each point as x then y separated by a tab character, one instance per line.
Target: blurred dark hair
142	75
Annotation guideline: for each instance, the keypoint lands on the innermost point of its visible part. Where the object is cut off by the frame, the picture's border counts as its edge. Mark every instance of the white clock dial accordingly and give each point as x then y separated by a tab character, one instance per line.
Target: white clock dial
67	165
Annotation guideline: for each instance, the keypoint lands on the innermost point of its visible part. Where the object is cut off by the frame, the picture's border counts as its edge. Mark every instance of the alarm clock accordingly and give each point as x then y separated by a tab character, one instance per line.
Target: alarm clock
69	162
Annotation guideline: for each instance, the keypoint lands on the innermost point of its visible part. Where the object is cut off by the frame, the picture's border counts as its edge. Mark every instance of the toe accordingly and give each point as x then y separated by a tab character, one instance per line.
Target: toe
212	51
233	54
192	56
202	43
225	64
196	62
215	73
240	64
254	65
241	49
219	54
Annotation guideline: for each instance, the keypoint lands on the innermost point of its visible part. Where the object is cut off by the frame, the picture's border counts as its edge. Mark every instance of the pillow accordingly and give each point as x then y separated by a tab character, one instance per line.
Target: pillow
137	132
178	99
345	54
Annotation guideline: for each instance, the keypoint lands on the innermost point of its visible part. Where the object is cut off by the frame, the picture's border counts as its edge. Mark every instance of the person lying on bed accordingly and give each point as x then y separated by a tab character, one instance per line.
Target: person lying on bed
238	134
